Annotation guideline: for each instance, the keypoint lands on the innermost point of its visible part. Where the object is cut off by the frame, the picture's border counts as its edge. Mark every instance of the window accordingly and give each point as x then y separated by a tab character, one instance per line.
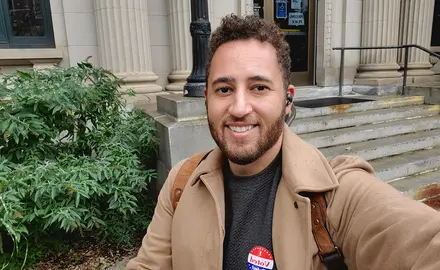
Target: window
26	24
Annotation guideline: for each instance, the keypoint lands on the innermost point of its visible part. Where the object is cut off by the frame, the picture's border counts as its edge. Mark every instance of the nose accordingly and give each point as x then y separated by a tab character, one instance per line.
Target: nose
240	106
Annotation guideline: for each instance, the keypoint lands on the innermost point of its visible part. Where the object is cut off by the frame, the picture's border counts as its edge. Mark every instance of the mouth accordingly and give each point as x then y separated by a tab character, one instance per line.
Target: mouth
241	129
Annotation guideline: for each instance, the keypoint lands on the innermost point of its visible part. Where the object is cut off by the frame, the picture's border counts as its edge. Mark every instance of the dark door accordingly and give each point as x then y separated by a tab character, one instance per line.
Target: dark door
296	18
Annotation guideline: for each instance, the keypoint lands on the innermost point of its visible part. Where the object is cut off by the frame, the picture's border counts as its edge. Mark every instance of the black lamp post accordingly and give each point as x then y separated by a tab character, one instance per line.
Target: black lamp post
200	29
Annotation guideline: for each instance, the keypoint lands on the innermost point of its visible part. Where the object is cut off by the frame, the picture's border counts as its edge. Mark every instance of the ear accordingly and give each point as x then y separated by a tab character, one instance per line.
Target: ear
291	90
204	92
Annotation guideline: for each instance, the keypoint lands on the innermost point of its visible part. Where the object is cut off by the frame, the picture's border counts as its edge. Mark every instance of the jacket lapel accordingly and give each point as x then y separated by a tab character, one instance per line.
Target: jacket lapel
291	231
304	169
209	174
214	183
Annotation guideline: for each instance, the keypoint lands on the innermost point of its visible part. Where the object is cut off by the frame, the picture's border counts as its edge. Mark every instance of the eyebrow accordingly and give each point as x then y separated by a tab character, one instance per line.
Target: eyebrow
260	78
223	80
253	78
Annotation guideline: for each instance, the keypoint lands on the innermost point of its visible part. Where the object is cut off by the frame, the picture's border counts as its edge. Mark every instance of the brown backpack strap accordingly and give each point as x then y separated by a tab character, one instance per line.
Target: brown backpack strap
183	175
328	252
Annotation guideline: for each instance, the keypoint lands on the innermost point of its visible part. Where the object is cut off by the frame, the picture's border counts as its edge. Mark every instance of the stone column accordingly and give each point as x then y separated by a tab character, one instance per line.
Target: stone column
380	27
180	16
416	18
246	7
124	45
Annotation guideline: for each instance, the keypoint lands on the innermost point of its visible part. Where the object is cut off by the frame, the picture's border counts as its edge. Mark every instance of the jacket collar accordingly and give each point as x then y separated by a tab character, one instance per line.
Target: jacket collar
304	168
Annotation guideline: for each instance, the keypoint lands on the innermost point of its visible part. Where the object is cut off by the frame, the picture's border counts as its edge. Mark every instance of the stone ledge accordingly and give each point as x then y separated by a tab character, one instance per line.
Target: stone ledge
182	108
429	91
29	54
38	58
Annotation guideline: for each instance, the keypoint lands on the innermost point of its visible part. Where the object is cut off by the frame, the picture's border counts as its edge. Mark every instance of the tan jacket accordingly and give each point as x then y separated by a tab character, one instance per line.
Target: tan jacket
375	226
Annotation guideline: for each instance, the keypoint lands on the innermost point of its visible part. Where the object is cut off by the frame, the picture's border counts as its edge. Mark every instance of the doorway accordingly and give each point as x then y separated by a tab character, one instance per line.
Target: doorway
296	18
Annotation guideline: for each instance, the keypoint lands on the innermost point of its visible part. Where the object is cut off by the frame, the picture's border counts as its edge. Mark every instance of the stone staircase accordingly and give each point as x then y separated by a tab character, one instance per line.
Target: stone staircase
398	135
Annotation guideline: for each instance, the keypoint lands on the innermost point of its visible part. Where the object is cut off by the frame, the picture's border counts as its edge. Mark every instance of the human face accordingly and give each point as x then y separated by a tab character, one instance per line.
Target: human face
246	100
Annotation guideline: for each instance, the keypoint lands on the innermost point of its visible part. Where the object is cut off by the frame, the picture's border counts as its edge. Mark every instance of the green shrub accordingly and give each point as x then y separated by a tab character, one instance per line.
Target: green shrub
71	157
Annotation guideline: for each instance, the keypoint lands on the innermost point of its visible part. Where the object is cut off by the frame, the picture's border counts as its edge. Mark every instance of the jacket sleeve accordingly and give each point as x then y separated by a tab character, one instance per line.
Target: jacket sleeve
376	226
155	252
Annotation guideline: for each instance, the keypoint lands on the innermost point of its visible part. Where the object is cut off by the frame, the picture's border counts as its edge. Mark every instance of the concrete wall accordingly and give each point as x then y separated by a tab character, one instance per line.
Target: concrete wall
219	9
339	24
59	29
74	23
76	39
81	31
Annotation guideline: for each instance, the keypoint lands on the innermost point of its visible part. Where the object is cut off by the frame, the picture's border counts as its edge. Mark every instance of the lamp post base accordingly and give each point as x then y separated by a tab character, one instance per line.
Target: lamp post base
194	89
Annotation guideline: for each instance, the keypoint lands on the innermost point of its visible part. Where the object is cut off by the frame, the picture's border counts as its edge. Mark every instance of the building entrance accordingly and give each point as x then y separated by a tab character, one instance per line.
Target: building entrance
296	18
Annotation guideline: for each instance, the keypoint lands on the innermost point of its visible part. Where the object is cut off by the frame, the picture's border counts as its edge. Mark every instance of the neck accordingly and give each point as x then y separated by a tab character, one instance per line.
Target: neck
259	164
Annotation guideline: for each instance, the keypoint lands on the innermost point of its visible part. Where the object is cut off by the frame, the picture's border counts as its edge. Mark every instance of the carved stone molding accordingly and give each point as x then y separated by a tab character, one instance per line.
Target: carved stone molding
328	33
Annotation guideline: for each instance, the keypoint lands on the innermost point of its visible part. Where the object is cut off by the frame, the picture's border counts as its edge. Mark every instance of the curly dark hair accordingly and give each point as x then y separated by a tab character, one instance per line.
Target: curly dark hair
233	28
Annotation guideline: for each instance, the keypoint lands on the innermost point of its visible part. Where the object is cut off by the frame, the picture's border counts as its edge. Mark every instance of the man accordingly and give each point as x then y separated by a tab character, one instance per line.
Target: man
246	205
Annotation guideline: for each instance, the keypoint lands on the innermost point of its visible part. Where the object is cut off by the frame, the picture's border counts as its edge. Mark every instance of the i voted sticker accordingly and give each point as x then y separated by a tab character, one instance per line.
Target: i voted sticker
260	259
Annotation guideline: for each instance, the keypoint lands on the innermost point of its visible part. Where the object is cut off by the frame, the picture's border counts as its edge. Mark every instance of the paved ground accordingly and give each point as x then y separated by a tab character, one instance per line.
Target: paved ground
121	264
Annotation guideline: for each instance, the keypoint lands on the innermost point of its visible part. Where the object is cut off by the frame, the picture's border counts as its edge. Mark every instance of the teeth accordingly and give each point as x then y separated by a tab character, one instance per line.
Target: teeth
240	129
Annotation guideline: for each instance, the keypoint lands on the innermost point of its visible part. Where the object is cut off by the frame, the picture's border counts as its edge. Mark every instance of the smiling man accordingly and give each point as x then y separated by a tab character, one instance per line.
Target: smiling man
246	118
265	199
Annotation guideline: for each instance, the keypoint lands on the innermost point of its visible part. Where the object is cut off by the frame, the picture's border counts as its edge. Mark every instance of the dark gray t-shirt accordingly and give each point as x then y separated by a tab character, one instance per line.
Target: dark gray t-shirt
249	210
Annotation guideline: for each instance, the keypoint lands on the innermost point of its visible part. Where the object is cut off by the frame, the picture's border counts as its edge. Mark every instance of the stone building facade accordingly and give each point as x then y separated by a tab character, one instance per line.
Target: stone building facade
148	44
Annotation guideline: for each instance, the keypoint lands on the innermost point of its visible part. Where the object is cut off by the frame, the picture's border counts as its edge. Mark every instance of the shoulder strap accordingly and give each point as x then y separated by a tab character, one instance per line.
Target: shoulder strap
328	252
183	175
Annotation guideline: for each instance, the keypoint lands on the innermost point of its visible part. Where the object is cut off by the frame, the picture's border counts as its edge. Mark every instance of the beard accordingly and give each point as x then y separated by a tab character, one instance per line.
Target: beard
247	154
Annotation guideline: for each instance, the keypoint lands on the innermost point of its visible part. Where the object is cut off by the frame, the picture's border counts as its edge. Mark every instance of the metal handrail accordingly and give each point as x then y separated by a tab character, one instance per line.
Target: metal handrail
405	67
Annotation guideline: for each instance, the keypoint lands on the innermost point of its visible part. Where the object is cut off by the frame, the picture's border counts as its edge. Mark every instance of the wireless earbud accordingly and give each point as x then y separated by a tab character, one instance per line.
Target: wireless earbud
292	114
289	98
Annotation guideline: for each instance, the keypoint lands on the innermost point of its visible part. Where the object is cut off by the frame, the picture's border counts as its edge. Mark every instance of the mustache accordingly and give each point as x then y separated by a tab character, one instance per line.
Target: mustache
247	119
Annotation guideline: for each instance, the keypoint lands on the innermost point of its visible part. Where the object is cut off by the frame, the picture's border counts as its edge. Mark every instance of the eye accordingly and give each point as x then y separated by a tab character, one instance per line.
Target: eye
260	87
223	90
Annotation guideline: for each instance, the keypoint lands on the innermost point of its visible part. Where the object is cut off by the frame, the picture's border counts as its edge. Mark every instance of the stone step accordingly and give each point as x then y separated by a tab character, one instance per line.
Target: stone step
411	185
391	168
370	131
381	102
385	147
307	125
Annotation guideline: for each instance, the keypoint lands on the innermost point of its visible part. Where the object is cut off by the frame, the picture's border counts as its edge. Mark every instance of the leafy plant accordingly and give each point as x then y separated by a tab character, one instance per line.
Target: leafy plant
71	157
